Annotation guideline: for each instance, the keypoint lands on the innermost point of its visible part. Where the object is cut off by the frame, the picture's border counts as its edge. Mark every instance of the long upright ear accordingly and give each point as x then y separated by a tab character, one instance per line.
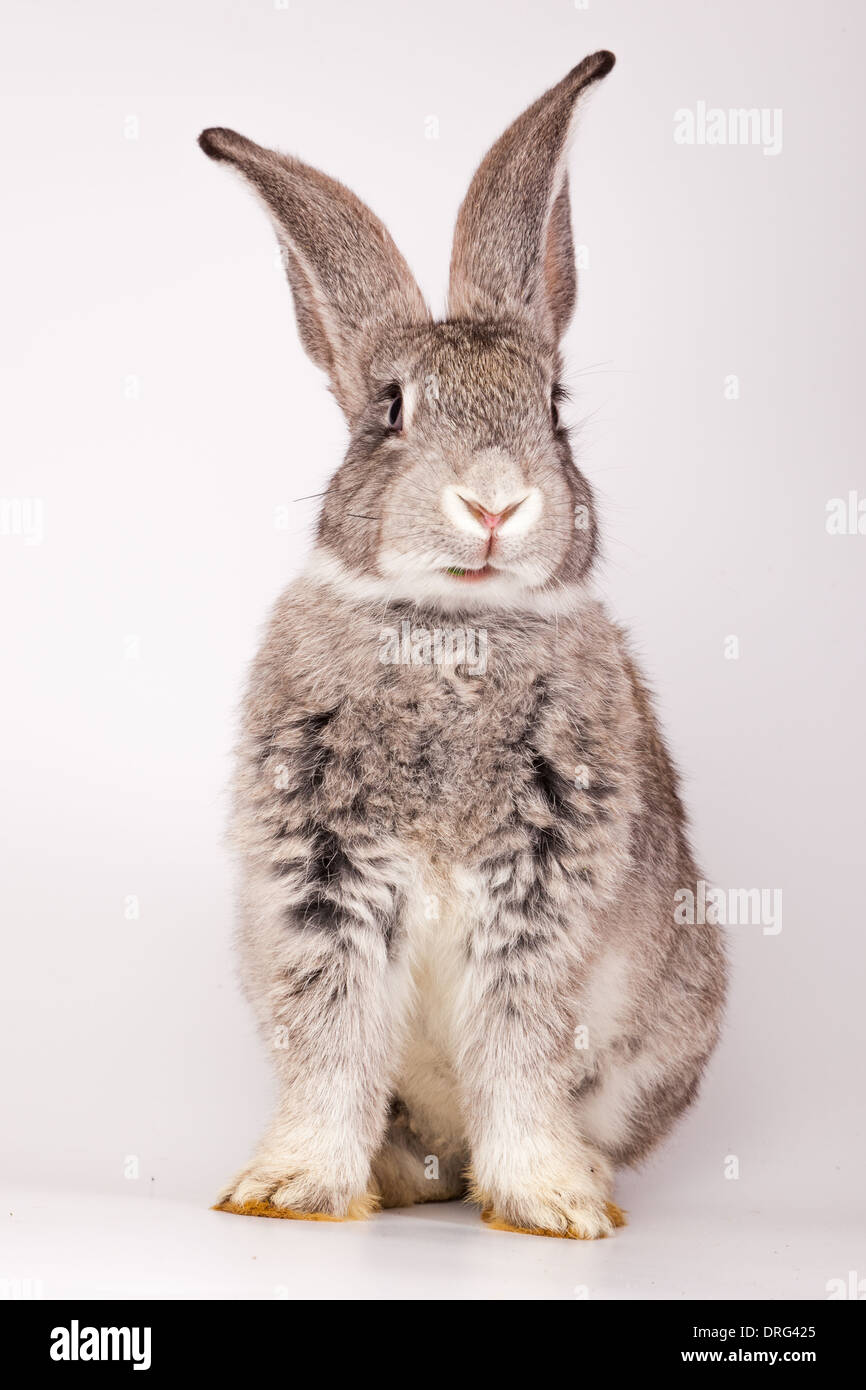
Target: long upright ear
349	282
513	255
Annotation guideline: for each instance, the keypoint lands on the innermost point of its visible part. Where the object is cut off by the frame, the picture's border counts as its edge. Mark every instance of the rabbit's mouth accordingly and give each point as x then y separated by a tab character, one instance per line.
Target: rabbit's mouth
471	576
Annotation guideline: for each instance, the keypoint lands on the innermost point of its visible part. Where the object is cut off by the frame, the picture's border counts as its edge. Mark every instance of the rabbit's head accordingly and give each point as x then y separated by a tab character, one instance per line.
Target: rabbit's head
458	488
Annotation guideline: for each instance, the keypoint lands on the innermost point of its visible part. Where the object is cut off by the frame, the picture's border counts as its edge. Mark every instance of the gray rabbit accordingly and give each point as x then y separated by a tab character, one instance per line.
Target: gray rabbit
459	827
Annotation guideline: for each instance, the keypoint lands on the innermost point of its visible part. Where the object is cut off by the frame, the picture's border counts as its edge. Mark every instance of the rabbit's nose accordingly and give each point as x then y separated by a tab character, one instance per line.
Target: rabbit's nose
489	519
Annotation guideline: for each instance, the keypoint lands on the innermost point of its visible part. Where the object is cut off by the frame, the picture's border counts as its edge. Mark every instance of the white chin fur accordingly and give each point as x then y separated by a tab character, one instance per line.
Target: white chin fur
506	592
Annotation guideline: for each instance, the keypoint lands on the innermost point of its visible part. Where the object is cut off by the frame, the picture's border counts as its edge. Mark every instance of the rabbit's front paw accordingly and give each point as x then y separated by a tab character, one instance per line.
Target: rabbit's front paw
288	1191
558	1216
554	1210
547	1191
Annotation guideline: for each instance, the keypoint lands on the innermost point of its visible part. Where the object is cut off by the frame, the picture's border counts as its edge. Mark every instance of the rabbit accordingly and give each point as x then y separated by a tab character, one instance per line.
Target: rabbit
459	830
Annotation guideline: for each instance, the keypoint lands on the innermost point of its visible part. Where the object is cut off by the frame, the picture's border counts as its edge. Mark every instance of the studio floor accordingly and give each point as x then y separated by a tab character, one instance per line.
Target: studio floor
77	1245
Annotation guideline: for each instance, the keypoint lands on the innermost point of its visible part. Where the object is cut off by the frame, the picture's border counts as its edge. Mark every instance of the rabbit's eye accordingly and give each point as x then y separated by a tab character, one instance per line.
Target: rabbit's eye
395	414
556	395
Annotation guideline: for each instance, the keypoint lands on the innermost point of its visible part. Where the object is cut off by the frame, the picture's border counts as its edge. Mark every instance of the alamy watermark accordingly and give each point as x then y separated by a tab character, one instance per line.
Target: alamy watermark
713	125
439	646
853	1287
846	516
729	907
24	517
77	1343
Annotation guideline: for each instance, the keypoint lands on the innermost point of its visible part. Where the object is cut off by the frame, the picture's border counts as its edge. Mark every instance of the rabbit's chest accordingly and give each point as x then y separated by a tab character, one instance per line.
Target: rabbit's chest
437	761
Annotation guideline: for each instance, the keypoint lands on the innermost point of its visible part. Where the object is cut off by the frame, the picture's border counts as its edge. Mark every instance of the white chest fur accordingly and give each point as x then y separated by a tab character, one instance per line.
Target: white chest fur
438	921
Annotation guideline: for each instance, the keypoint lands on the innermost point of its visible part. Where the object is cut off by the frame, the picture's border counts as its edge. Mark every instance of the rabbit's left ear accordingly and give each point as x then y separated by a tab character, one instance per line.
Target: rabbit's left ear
513	256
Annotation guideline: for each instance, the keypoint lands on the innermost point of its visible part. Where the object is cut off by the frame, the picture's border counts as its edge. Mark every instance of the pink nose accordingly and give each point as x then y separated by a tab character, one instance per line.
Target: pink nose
489	519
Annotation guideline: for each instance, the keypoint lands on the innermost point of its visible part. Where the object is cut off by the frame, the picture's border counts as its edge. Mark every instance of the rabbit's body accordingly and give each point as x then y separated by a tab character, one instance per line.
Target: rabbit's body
509	843
459	827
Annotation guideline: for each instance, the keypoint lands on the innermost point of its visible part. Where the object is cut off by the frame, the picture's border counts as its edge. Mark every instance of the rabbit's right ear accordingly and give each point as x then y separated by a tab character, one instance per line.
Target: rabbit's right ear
349	282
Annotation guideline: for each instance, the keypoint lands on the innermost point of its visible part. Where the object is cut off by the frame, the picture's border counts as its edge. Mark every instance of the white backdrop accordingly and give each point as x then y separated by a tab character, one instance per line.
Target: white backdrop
161	418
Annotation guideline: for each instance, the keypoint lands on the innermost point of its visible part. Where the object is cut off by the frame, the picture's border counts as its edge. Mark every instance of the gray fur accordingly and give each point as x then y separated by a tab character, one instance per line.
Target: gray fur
457	921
